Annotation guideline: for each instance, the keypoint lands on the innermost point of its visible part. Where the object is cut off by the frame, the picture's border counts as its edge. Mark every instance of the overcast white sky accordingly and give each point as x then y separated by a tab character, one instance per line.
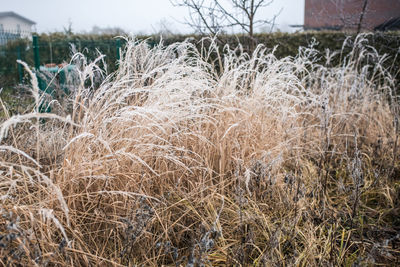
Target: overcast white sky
135	16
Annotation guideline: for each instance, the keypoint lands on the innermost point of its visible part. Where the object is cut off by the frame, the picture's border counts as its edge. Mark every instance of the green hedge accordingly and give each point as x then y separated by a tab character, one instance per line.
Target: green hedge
287	45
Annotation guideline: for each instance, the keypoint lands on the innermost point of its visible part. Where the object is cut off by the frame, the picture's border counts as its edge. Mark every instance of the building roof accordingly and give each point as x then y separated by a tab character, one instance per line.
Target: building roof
391	24
13	14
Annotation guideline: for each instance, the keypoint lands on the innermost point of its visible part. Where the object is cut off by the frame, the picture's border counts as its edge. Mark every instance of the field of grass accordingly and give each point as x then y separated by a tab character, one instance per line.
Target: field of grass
180	160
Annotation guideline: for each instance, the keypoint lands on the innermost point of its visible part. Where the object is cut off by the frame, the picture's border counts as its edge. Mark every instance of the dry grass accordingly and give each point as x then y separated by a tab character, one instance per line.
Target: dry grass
264	162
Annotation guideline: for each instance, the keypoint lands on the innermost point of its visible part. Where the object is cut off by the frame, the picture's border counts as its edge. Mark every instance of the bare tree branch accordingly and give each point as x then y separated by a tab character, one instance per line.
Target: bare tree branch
352	20
362	16
218	15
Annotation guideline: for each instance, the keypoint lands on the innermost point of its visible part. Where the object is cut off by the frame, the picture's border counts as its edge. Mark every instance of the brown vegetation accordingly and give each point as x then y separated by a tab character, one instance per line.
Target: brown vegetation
266	161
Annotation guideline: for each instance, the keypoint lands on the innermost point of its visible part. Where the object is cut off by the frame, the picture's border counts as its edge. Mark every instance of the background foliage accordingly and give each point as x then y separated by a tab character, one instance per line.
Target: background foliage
58	47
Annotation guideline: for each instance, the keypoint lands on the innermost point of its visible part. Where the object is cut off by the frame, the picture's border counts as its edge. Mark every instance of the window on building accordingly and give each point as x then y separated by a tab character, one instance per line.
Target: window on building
1	28
18	28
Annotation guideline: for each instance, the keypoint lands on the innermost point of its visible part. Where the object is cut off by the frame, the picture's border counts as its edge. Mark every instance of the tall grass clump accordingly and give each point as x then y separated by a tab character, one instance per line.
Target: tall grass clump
190	157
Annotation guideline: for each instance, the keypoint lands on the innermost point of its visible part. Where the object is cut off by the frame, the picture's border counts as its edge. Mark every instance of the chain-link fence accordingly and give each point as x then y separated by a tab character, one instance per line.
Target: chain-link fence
50	54
11	49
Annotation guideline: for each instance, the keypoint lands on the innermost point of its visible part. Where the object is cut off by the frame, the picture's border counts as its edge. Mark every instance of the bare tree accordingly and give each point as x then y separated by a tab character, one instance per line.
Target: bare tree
350	19
215	16
96	30
363	11
163	27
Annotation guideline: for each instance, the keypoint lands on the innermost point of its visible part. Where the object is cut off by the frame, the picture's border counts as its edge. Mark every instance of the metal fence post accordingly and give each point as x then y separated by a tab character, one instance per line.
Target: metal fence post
20	71
62	76
118	44
36	56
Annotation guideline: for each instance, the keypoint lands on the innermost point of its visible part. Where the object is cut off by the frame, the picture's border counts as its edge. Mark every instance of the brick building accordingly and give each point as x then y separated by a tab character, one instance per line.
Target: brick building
345	14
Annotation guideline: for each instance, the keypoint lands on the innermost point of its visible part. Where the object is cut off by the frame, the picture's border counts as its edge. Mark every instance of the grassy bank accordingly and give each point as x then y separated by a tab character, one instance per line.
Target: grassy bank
179	160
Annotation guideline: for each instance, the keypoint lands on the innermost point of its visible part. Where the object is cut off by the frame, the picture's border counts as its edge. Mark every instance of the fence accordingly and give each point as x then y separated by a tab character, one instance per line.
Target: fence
9	35
49	53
